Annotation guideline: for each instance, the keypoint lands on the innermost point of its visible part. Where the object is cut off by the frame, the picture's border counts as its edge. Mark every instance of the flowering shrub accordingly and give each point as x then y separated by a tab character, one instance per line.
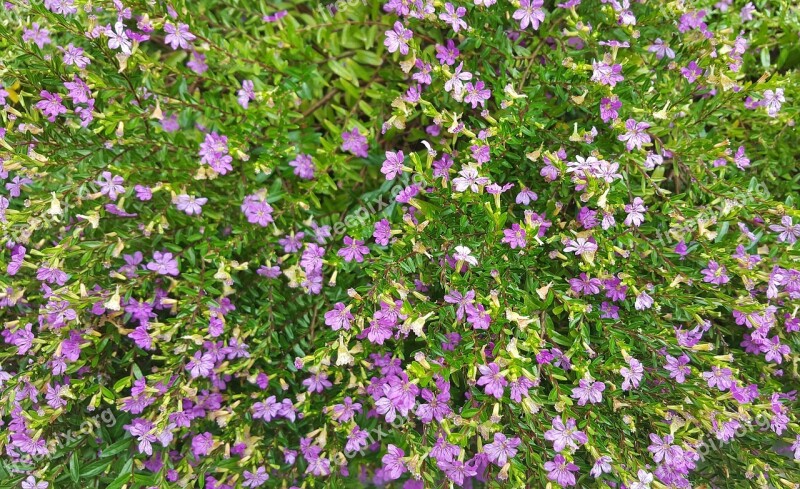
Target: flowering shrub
410	244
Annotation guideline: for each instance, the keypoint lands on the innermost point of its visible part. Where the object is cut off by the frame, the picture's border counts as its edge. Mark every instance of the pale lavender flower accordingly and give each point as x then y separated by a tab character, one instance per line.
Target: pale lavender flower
501	449
561	471
588	391
565	435
530	12
632	374
492	379
178	36
397	39
190	204
636	135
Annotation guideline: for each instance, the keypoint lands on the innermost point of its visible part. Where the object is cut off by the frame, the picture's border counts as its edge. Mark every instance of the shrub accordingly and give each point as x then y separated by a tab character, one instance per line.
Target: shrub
412	244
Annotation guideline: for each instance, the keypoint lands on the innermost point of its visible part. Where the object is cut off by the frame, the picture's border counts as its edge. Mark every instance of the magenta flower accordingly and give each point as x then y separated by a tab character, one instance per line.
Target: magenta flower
164	264
609	108
448	53
691	72
561	471
492	379
501	449
178	37
354	249
530	12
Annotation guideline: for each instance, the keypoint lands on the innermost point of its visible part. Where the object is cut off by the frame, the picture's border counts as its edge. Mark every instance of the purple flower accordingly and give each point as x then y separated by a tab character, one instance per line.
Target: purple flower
632	374
353	249
393	164
691	72
677	367
317	382
607	74
164	264
561	471
339	317
190	204
609	108
246	93
51	105
492	379
393	463
37	35
715	274
255	479
501	449
565	435
530	12
452	16
303	166
721	378
635	210
397	39
515	237
789	233
202	444
588	391
178	37
355	143
636	135
447	54
477	94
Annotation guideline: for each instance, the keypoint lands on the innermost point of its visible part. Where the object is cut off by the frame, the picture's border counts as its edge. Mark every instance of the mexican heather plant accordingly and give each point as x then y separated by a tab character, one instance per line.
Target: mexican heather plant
410	244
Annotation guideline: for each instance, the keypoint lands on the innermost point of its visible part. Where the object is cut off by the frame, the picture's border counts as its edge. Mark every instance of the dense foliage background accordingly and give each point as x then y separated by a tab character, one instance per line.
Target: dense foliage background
405	244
